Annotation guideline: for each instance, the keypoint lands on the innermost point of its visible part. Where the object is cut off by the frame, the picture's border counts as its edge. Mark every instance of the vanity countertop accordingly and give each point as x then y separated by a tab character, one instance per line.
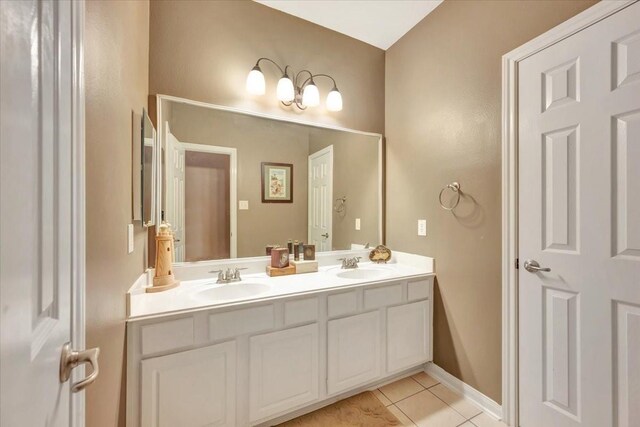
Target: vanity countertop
196	293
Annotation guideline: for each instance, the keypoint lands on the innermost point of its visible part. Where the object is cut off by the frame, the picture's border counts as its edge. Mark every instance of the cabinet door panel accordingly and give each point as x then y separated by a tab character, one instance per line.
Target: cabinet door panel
407	335
190	389
283	370
354	351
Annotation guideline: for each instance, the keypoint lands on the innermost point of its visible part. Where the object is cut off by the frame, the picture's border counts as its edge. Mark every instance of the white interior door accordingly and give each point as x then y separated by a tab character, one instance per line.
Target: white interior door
579	215
320	198
39	180
174	214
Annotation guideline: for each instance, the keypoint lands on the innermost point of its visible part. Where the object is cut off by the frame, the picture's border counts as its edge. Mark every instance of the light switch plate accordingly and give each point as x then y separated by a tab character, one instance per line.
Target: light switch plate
130	237
422	227
243	205
357	223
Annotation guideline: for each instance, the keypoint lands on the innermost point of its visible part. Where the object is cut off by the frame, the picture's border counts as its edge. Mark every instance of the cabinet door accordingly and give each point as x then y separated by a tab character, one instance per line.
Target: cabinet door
353	351
407	335
283	370
192	388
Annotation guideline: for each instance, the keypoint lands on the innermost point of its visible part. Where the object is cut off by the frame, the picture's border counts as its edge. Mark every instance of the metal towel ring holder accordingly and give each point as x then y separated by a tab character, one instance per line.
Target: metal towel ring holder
455	187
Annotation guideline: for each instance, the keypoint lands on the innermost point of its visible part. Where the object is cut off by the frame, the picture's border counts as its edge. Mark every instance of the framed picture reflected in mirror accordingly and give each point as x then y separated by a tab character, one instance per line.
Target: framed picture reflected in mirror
277	182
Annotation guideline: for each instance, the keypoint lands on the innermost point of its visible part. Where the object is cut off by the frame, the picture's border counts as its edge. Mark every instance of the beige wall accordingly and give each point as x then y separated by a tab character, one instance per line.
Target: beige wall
116	72
355	175
203	50
443	124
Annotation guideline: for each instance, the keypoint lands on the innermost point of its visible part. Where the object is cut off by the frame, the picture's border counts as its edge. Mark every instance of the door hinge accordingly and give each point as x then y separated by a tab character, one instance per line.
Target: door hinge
517	263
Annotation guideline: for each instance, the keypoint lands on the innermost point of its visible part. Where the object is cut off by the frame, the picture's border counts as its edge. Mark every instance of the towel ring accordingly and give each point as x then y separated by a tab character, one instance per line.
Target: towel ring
455	187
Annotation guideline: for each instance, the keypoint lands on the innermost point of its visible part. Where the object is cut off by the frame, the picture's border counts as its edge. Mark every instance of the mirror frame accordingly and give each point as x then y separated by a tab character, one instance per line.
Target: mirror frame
161	130
154	172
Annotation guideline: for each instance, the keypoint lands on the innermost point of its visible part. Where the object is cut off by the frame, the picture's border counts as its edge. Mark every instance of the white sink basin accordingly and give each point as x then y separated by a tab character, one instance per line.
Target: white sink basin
364	273
233	291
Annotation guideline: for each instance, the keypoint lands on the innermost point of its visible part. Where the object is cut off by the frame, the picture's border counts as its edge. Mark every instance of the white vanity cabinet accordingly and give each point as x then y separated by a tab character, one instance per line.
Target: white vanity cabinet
191	389
353	351
284	370
259	362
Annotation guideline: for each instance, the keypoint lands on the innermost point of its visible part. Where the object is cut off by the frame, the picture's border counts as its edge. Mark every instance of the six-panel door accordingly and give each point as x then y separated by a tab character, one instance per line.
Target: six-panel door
190	388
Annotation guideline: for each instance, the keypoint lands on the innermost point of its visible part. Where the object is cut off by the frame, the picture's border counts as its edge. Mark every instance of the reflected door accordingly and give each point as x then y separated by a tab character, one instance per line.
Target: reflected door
175	193
579	204
320	197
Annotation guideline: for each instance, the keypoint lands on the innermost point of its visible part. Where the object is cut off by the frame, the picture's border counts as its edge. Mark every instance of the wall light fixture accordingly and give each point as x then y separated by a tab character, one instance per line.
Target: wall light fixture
293	89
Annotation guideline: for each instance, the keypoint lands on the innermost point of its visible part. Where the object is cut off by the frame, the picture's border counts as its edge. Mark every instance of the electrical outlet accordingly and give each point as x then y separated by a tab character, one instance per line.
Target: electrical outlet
243	205
422	227
130	237
357	223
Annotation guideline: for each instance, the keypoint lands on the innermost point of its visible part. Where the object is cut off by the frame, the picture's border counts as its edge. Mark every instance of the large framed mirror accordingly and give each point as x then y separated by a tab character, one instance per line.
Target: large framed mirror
233	182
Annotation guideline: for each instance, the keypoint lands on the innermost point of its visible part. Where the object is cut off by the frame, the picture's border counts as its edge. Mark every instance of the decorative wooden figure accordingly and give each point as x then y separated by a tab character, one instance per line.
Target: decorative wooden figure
164	279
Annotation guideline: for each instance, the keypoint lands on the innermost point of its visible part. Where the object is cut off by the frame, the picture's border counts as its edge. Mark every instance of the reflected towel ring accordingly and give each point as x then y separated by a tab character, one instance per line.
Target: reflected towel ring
341	204
455	187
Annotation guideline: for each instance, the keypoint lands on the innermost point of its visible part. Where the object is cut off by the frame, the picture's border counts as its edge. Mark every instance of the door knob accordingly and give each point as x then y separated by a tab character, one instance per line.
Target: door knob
325	235
532	266
71	358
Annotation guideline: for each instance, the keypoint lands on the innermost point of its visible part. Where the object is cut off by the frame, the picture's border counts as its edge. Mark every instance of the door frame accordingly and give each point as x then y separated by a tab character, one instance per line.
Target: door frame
233	187
78	210
312	156
510	64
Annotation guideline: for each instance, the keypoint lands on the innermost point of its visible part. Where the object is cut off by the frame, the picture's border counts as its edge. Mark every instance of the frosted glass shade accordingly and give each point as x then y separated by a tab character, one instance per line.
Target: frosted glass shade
255	81
285	91
310	96
334	100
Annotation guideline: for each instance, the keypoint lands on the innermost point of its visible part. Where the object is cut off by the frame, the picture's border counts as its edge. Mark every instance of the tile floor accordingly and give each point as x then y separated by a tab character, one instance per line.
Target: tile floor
420	400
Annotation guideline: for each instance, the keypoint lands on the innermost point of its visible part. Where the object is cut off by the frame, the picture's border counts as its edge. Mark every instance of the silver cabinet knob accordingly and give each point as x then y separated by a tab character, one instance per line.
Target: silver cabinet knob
532	266
71	358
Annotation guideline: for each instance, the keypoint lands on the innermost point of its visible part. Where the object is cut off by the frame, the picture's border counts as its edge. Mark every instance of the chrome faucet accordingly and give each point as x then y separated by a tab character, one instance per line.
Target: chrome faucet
228	275
348	263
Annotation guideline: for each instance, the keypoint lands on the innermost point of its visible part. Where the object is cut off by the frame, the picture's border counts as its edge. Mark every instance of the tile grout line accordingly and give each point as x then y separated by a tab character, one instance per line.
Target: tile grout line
392	402
462	415
401	411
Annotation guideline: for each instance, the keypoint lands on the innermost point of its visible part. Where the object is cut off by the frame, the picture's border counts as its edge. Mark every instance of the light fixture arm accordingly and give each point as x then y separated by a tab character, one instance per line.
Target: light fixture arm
335	86
284	72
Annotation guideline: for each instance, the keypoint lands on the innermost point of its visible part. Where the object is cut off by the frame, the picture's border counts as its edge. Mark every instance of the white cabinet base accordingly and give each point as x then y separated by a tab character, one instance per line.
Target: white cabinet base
407	335
353	353
190	389
283	371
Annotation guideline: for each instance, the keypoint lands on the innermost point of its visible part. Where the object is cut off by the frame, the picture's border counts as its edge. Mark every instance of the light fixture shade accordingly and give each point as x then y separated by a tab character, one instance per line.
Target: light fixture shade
310	95
255	81
334	100
285	91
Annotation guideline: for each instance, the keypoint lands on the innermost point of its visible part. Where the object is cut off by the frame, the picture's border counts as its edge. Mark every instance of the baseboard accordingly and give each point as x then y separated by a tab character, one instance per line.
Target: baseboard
485	403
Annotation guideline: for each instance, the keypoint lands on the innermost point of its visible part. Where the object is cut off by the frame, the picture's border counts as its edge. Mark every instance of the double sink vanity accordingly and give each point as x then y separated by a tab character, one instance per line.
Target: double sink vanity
266	349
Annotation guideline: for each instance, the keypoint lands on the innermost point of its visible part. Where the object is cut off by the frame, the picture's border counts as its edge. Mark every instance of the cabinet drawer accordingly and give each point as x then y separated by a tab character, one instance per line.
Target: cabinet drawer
342	304
418	290
239	322
169	335
300	311
382	296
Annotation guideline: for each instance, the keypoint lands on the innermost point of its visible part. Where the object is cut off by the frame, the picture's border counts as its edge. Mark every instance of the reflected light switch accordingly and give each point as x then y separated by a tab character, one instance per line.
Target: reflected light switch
357	223
422	227
243	205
